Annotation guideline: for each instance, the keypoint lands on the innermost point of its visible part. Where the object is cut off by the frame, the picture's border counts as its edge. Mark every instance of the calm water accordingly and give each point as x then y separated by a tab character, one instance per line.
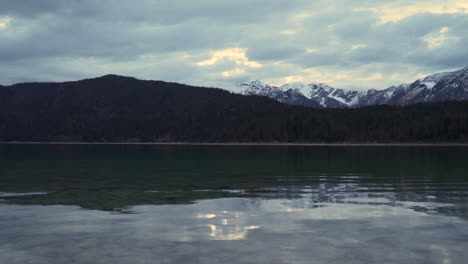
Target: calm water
233	204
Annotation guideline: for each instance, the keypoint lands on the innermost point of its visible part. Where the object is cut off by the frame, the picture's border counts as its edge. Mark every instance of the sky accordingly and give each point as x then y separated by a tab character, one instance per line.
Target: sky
357	44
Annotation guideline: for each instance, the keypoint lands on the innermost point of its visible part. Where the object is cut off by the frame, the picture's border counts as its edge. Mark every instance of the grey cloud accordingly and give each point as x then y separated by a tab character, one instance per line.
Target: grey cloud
355	27
272	53
117	34
374	54
29	7
387	43
33	8
321	58
61	37
161	11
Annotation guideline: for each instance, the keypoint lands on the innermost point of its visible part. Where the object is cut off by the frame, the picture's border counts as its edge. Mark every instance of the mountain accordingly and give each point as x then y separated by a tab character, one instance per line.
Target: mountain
317	95
438	87
288	96
123	109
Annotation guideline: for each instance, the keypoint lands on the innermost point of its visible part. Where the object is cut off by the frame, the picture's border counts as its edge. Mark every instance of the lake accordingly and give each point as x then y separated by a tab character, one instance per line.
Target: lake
233	204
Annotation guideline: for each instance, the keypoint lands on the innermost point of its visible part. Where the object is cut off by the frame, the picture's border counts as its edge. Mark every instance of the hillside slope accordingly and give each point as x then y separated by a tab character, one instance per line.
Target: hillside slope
114	108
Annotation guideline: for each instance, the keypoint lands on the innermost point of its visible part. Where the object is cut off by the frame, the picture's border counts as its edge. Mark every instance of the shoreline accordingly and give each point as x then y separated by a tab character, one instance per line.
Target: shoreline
344	144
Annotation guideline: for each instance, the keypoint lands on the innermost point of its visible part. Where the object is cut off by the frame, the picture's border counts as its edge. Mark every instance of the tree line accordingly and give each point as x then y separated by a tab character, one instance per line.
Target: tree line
123	109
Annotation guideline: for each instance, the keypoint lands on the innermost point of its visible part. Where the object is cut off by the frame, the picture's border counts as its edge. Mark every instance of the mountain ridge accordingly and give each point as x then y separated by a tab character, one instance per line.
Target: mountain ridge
438	87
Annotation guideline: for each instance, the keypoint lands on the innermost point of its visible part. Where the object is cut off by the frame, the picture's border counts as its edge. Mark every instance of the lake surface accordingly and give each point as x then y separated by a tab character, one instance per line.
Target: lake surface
233	204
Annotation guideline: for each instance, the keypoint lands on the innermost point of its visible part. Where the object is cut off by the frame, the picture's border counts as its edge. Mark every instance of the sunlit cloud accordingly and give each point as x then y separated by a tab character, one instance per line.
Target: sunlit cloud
358	46
288	32
238	55
304	76
331	77
375	76
398	10
296	23
437	39
4	22
288	79
234	72
301	16
343	76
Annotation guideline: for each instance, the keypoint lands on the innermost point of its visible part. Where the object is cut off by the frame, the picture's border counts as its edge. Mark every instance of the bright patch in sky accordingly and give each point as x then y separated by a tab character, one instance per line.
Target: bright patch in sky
301	16
311	50
233	54
375	76
4	22
358	46
233	72
288	32
313	75
437	39
398	10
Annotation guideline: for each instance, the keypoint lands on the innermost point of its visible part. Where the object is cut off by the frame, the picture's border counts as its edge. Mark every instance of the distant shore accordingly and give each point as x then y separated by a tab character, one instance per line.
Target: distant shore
339	144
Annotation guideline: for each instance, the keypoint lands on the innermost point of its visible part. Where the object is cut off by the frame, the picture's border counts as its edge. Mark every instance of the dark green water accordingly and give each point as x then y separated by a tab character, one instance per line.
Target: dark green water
237	204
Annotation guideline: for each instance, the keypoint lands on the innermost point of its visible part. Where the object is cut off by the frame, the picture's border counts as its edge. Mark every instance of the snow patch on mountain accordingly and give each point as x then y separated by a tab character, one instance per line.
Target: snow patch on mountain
300	87
433	88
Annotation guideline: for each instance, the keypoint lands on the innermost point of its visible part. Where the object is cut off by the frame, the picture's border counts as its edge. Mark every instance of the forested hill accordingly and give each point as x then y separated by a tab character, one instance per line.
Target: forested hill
114	108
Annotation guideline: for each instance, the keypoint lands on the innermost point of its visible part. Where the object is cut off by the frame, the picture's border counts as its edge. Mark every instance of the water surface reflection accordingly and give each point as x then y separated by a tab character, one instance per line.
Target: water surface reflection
328	223
233	205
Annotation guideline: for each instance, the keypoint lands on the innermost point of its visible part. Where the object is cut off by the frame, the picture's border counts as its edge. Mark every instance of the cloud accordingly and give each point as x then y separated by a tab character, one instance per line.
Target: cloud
394	11
4	21
358	46
234	54
359	43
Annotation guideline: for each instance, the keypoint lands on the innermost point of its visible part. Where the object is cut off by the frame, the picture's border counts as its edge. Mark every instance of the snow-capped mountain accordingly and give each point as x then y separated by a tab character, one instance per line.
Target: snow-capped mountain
288	96
434	88
313	94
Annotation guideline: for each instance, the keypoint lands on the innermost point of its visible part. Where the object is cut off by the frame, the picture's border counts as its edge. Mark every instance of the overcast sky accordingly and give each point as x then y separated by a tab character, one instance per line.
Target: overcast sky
344	43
